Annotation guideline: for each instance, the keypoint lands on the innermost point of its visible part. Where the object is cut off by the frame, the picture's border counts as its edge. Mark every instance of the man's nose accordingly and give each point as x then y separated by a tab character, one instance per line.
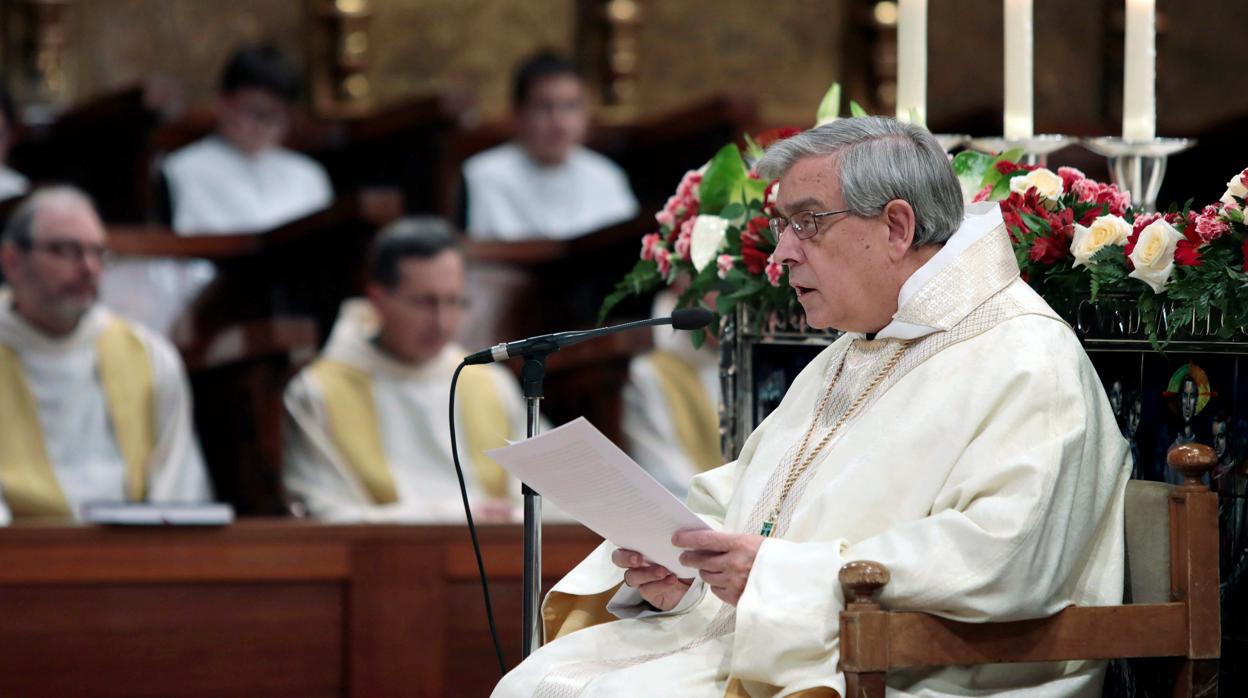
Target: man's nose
788	250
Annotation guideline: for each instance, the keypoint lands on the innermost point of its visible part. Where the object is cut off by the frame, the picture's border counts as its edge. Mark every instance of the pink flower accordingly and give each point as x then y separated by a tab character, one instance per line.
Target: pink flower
774	271
1210	226
1085	189
648	243
1230	207
981	195
724	262
1142	221
665	218
664	259
688	187
1117	199
1069	176
685	239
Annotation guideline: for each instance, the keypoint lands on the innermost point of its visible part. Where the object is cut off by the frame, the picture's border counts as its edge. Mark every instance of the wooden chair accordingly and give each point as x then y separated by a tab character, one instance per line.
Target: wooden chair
1183	623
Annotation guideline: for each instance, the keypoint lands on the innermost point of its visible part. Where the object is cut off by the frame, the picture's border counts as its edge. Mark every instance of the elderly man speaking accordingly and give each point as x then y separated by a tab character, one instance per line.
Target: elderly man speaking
956	433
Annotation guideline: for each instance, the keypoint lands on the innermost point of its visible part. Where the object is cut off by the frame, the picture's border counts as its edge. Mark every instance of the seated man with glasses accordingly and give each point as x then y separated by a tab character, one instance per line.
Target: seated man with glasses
92	407
367	429
238	180
956	432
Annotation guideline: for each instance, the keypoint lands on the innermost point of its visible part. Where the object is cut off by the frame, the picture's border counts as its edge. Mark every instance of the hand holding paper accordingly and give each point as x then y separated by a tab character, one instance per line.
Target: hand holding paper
592	480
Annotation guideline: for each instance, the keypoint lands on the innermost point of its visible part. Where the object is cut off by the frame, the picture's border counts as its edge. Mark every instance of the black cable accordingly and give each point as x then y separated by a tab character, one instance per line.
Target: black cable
472	530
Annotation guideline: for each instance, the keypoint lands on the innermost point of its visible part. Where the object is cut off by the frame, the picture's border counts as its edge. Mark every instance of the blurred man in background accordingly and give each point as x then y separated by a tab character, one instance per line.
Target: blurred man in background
238	180
92	408
367	435
545	183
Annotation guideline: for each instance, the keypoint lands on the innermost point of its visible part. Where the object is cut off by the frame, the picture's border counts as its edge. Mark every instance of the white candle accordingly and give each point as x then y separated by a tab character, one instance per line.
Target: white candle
912	60
1139	99
1018	70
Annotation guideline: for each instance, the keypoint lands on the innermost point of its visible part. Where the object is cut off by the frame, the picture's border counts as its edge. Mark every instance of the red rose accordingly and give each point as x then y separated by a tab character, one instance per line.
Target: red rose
753	230
1187	254
1005	167
1047	250
755	259
1244	251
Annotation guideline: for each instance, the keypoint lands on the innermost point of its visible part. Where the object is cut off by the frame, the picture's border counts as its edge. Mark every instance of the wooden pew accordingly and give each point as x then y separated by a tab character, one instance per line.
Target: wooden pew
521	289
306	267
237	378
281	609
98	145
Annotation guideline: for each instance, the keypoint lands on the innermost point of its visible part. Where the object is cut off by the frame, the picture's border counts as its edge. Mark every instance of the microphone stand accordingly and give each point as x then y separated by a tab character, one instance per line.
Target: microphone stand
533	376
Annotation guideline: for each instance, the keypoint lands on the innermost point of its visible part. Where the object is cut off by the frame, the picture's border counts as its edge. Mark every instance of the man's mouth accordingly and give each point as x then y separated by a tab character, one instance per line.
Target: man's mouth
801	290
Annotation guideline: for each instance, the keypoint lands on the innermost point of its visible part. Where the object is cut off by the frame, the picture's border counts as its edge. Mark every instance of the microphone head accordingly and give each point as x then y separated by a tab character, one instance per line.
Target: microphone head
691	318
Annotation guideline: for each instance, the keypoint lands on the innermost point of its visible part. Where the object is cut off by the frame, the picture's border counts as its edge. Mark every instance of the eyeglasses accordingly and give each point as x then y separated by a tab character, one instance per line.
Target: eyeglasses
805	224
68	250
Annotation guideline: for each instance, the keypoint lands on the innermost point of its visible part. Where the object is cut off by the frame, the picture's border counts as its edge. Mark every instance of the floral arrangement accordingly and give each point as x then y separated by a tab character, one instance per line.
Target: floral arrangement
1076	238
713	239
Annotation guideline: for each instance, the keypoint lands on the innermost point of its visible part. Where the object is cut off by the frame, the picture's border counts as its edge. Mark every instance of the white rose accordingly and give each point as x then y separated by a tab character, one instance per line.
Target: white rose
1106	230
1235	187
1153	255
1048	185
709	234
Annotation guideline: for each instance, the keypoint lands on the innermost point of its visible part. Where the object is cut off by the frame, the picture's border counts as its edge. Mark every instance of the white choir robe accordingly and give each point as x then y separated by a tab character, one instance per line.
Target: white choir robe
214	189
410	407
513	197
63	375
649	425
12	183
986	471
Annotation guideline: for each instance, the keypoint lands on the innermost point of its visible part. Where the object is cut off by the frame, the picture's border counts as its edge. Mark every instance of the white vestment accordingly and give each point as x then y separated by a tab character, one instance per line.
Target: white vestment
985	471
513	197
12	183
63	377
648	422
410	404
214	189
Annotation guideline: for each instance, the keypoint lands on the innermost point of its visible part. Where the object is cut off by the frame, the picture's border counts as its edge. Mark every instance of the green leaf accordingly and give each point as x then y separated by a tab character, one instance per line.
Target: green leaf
753	151
970	167
643	278
916	118
856	109
722	179
829	106
752	191
993	175
1001	189
733	211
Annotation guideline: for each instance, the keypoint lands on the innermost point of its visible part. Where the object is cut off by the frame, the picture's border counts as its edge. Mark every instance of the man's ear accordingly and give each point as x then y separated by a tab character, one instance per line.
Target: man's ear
899	217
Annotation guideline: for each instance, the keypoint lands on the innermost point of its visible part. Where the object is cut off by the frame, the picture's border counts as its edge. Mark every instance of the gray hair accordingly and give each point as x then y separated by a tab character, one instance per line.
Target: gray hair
20	228
881	160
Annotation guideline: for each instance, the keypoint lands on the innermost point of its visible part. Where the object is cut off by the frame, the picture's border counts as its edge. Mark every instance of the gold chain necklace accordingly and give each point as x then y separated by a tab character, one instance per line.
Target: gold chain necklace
803	459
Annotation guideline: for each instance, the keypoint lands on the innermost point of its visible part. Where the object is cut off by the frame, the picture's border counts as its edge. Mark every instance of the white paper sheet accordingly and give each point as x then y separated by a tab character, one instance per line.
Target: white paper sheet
592	480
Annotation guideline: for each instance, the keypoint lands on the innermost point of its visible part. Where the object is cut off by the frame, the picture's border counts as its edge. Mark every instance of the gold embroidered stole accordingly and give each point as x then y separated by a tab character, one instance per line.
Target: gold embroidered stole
353	425
355	429
695	419
31	488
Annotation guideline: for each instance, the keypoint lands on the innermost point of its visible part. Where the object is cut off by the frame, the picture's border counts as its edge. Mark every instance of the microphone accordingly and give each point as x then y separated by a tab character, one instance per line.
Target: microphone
682	319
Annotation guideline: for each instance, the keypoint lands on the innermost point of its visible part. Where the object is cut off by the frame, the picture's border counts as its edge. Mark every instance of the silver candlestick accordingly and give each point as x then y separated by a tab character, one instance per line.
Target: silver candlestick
1138	166
1036	149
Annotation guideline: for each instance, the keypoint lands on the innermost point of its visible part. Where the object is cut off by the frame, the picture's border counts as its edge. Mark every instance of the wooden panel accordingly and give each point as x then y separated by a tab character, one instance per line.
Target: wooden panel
1153	630
223	561
191	641
397	619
